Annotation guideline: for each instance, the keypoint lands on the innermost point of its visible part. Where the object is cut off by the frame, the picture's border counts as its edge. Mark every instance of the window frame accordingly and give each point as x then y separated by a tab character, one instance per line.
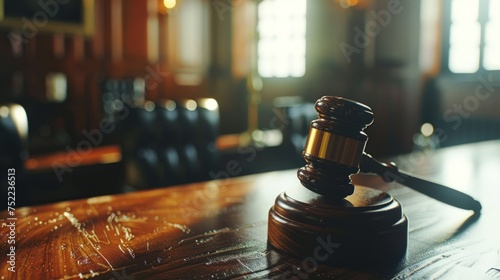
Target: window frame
256	52
483	18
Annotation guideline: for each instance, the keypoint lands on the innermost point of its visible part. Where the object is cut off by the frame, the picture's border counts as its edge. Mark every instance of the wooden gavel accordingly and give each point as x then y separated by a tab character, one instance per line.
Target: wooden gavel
367	224
335	149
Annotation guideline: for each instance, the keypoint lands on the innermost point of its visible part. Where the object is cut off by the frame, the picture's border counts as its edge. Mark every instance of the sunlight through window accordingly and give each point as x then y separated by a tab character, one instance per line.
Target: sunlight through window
474	40
465	36
491	59
281	47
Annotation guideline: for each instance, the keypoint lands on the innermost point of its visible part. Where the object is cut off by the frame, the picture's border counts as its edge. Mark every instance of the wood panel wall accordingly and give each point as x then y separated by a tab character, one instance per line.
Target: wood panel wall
130	39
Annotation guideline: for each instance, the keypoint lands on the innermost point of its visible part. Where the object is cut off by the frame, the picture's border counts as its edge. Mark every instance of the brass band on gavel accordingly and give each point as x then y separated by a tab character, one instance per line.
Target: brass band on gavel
336	148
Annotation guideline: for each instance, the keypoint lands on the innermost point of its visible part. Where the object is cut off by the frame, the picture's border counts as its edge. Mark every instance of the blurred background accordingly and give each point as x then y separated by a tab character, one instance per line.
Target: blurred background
101	97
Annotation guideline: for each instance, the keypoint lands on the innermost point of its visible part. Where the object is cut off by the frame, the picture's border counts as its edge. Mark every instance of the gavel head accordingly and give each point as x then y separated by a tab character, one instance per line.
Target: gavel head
335	146
366	224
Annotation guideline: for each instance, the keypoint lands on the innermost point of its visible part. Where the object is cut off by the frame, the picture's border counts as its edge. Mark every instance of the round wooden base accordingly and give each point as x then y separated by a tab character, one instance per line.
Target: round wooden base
367	226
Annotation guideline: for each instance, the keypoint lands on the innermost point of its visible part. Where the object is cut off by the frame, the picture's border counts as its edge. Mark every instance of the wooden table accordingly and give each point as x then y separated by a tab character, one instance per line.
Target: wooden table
218	229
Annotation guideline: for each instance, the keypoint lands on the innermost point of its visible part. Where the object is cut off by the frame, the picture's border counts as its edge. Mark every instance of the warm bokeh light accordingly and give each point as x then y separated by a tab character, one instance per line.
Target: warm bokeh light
56	86
209	104
348	3
170	105
4	111
170	4
149	106
427	129
20	118
191	105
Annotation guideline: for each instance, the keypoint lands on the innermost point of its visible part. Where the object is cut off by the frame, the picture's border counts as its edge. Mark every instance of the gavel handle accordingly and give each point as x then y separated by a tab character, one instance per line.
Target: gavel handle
390	173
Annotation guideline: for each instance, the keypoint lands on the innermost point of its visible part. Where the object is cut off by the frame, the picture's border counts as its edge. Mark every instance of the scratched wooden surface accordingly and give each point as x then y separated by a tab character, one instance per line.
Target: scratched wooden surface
218	229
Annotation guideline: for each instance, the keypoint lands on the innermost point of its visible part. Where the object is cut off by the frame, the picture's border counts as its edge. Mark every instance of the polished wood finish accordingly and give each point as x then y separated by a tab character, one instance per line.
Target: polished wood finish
96	155
106	154
365	228
218	229
72	174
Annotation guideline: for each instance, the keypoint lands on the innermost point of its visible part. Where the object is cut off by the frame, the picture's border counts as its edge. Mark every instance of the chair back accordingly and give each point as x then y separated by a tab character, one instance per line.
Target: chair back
13	136
171	143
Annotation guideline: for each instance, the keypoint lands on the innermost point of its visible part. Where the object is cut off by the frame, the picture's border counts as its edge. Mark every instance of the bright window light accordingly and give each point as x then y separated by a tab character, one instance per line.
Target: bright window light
465	36
464	59
493	10
491	57
464	10
281	47
474	40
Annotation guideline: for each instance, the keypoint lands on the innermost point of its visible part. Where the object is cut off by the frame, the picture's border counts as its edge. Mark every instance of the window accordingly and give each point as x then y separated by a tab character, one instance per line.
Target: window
492	40
187	40
473	44
281	48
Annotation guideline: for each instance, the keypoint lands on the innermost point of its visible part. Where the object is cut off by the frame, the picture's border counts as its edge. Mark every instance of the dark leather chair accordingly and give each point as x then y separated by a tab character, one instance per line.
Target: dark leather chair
13	149
170	143
209	119
139	125
42	185
169	131
14	132
199	121
167	122
139	147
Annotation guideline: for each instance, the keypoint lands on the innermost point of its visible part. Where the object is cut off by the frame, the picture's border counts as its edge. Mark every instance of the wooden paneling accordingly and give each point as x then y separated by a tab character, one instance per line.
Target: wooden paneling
130	39
134	22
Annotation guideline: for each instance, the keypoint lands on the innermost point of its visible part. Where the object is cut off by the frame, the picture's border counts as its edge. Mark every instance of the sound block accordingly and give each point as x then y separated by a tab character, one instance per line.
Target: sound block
365	227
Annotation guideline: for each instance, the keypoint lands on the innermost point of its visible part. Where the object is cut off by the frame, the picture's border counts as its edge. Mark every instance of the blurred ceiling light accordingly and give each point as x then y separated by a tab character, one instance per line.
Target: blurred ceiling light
427	129
348	3
169	4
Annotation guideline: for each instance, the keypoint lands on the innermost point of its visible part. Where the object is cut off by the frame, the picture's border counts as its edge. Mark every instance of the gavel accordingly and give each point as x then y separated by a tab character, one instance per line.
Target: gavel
365	224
